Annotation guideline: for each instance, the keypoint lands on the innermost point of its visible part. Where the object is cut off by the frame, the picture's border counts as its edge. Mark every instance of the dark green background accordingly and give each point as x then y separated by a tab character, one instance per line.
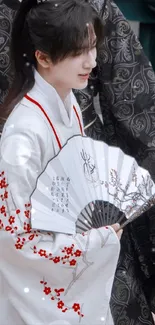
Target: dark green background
144	12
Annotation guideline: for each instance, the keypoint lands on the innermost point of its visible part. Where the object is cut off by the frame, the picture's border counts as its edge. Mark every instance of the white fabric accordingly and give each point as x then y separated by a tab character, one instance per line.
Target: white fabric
76	272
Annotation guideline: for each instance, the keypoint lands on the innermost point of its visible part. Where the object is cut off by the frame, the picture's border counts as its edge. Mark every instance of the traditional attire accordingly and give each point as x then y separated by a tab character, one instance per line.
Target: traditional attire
47	278
125	82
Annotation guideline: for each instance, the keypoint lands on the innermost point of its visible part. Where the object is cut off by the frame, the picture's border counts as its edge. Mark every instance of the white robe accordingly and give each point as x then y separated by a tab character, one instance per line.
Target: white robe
47	278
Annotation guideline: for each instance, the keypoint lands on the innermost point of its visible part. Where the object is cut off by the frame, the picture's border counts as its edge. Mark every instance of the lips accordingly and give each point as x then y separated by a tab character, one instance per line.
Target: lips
84	76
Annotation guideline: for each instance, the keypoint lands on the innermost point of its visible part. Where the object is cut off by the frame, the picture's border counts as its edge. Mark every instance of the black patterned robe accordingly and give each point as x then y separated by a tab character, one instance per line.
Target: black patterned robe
125	82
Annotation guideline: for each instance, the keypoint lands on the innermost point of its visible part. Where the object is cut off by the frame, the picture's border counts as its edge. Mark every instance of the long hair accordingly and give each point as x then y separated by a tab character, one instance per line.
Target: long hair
58	28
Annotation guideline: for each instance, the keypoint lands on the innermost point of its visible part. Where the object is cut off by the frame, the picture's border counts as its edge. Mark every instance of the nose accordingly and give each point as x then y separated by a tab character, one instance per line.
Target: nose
90	60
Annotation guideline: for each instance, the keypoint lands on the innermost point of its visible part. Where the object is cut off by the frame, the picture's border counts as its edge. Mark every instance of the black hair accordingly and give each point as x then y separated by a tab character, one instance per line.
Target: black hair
58	28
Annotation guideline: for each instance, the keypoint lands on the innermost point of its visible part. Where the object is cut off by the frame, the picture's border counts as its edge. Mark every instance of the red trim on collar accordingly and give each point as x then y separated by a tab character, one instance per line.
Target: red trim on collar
51	124
43	111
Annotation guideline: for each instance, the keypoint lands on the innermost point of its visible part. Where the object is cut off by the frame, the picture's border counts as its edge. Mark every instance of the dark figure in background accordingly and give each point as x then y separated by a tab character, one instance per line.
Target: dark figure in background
125	83
7	12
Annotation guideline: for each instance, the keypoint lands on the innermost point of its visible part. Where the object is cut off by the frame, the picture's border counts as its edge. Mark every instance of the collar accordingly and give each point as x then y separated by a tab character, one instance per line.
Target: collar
65	110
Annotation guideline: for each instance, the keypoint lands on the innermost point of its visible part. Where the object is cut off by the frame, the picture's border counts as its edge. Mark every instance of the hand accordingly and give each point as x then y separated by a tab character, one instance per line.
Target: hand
116	227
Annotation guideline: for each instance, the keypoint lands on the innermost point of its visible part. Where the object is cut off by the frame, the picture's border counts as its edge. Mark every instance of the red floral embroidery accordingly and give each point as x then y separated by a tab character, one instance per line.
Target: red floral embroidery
58	291
3	210
8	228
27	214
42	252
11	220
56	259
67	253
27	227
9	225
47	290
27	205
31	237
19	246
60	304
66	259
64	310
72	262
69	250
78	253
3	183
76	307
20	243
35	250
1	224
4	196
54	296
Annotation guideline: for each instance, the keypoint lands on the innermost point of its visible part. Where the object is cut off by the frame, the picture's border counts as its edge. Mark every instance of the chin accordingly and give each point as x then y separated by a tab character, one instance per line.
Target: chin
81	85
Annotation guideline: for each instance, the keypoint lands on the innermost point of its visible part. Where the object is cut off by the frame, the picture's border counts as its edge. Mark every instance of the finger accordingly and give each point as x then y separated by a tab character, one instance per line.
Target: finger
119	233
116	227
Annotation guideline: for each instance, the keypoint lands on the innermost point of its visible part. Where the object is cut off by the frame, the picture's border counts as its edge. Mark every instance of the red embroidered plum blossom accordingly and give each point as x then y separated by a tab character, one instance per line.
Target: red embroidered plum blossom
42	252
76	307
72	262
66	255
60	304
3	210
1	224
19	246
56	259
11	220
47	290
78	253
54	296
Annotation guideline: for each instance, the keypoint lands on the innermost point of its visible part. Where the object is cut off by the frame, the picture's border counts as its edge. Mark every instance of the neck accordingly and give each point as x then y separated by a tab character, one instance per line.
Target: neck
62	91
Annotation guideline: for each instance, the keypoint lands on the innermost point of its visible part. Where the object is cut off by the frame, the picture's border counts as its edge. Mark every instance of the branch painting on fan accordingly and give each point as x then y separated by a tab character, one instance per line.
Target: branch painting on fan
90	169
98	183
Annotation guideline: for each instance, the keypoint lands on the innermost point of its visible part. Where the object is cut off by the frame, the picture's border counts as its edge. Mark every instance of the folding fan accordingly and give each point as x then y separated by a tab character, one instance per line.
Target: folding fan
89	184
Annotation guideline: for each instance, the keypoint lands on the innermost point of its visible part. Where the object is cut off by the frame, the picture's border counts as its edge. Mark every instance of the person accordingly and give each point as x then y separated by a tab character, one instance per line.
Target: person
124	81
45	277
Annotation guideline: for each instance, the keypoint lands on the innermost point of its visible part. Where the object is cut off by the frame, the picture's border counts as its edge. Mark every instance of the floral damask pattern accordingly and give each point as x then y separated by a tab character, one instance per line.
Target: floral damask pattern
125	82
6	18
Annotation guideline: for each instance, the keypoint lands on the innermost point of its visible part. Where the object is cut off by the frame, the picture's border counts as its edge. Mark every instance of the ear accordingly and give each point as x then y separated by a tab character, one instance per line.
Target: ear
43	59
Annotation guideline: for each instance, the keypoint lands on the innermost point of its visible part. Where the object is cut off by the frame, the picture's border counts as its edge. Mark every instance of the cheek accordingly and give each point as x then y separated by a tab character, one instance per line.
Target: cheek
76	65
94	53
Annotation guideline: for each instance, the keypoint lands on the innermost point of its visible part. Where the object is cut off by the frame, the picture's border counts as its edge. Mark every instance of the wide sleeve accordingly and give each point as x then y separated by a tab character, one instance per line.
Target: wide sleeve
41	261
